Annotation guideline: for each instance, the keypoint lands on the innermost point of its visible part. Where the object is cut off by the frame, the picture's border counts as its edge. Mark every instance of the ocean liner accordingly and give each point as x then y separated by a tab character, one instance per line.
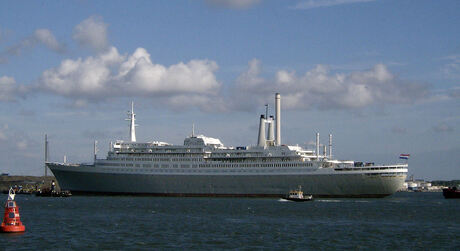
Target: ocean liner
203	166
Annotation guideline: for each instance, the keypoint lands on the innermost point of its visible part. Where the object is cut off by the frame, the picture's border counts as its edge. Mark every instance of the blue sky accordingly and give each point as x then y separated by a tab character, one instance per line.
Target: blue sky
381	76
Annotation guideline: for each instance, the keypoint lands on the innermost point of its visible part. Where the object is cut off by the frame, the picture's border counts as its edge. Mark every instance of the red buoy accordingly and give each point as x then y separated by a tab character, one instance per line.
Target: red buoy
11	219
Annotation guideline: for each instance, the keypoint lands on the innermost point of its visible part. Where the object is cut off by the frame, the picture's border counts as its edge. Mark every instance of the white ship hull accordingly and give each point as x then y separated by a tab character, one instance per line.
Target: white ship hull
263	183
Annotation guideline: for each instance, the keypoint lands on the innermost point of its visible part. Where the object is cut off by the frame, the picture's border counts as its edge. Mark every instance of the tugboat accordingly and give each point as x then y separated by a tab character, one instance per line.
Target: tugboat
451	193
297	195
11	219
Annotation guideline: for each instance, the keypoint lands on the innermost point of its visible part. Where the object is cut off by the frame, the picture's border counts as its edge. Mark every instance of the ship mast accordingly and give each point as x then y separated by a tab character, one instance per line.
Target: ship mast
132	126
95	150
46	154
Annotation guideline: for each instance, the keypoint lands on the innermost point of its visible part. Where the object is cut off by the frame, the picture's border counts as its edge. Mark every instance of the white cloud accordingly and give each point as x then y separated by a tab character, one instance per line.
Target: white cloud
250	78
193	84
3	136
441	128
311	4
40	36
92	33
398	130
139	73
9	90
234	4
45	37
88	77
110	74
455	92
17	140
451	69
21	145
321	89
3	133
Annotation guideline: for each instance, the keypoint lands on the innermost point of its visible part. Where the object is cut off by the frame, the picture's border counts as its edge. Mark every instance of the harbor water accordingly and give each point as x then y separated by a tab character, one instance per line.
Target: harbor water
401	221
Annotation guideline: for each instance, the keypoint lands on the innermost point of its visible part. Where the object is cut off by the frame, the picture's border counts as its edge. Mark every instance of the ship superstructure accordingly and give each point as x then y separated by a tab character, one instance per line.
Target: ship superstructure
203	166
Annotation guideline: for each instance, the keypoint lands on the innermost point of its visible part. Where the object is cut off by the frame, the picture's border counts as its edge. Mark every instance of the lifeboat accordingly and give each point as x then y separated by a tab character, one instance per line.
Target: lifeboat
11	219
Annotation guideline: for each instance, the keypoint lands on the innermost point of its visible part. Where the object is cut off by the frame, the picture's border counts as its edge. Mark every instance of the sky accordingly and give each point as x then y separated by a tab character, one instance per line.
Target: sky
381	76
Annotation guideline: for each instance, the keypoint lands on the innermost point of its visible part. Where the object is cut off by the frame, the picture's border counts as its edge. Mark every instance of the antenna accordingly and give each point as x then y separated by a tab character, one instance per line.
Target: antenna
266	111
132	126
193	130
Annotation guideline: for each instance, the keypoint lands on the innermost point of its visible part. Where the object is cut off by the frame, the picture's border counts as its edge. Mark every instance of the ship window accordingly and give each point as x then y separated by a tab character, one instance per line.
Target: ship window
11	215
10	204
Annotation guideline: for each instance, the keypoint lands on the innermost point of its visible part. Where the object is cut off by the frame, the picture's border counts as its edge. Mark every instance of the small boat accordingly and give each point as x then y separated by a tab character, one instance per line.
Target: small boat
451	193
11	219
53	193
297	195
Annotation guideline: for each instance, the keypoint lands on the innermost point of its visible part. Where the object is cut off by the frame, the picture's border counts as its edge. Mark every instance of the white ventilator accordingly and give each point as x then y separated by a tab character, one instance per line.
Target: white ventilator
278	119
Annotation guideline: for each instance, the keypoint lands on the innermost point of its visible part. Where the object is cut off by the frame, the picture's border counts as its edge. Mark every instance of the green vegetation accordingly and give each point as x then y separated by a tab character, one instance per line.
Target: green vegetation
445	183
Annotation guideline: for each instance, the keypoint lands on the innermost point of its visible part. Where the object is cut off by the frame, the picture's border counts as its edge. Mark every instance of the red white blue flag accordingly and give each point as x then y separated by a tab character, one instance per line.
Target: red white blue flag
404	156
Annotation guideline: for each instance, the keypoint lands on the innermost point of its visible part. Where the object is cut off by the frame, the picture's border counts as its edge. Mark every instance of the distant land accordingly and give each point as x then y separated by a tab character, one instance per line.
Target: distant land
445	183
29	182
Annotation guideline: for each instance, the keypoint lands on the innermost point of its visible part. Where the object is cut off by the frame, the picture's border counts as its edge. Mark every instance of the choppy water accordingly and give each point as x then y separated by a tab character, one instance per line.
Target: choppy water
402	221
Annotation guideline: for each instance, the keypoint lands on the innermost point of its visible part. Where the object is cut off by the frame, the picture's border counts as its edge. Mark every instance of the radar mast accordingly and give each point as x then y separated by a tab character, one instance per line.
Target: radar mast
132	126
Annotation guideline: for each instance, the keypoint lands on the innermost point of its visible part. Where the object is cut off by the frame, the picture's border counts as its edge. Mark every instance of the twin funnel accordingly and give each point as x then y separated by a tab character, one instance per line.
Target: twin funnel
272	139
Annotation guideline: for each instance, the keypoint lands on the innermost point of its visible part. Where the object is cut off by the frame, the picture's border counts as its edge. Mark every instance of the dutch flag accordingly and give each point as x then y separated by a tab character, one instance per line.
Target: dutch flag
404	156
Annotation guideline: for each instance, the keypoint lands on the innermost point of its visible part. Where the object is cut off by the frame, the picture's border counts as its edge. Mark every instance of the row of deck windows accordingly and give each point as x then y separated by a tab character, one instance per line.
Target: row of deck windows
208	165
228	160
202	170
369	168
155	159
133	155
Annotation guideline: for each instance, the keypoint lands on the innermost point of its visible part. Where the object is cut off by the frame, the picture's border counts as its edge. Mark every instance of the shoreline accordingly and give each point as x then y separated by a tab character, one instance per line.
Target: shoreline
27	182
